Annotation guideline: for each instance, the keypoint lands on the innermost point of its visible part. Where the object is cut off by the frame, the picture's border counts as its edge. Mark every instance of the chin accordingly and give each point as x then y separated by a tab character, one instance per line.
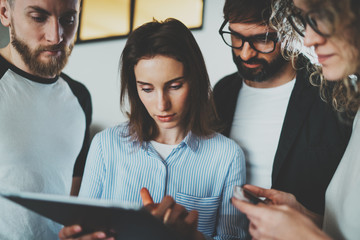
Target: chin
334	74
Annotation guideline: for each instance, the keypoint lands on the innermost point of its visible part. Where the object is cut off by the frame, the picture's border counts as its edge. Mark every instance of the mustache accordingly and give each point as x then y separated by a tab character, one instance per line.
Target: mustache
238	59
57	47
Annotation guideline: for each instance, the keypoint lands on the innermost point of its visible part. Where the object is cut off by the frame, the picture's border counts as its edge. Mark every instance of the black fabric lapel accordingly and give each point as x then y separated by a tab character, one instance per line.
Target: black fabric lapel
226	94
298	109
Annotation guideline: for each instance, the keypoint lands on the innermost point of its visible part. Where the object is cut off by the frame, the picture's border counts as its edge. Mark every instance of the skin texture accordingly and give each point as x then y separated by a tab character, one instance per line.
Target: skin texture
333	53
283	72
164	91
47	30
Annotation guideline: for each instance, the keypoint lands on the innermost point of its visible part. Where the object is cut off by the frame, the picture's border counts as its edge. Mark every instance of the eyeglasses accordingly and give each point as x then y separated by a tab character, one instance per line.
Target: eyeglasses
321	21
262	43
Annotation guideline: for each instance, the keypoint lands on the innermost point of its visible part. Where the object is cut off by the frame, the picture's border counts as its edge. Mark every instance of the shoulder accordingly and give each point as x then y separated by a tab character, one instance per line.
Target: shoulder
81	93
121	130
112	135
77	88
228	81
218	143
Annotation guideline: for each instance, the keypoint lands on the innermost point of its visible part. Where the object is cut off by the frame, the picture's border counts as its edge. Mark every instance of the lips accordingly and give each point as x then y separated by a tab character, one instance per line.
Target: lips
324	57
251	65
166	118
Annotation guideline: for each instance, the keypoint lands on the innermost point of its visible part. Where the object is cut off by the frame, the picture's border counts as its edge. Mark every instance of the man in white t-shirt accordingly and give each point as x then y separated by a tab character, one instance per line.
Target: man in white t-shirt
44	114
293	141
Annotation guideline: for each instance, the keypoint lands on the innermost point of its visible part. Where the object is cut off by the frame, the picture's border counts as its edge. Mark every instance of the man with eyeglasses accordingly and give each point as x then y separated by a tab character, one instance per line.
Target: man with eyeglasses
293	141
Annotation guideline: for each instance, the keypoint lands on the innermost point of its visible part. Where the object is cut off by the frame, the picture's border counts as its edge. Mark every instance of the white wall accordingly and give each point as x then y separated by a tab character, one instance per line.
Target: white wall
4	36
97	66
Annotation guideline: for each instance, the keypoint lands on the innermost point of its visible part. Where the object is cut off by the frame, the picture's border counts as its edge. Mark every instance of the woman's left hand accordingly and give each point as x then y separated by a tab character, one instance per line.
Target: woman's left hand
278	222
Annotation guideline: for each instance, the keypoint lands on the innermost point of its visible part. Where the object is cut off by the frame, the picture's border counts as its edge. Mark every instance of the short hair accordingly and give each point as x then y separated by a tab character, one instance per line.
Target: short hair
248	11
173	39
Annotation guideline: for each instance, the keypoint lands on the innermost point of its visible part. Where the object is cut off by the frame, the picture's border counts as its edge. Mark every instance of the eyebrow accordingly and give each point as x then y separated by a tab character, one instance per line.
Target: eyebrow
269	34
43	11
167	83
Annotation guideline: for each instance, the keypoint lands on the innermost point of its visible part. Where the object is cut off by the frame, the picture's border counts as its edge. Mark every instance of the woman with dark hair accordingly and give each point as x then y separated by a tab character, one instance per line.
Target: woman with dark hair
169	145
332	28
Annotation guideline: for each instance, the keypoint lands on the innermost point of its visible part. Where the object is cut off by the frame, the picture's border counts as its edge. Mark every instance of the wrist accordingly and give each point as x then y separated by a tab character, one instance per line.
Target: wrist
316	218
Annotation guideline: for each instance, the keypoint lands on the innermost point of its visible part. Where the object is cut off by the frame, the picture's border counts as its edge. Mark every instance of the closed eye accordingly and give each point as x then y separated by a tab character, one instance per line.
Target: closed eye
39	19
176	86
147	90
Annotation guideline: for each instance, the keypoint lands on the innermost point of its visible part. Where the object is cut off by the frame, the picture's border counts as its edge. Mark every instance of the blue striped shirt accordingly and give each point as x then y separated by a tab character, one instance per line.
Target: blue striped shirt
199	174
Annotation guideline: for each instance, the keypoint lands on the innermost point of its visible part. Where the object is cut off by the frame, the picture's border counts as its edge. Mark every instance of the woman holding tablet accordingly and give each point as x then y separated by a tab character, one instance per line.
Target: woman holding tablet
169	145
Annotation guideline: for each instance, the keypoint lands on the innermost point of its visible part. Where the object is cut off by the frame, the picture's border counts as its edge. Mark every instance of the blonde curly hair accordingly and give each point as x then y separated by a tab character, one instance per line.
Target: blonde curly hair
345	15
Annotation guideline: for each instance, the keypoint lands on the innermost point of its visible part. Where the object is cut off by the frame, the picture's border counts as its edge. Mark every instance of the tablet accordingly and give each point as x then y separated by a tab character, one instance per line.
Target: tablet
123	220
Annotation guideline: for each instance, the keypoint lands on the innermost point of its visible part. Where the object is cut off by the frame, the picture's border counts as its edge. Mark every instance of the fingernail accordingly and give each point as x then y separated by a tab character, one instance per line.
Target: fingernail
100	235
77	228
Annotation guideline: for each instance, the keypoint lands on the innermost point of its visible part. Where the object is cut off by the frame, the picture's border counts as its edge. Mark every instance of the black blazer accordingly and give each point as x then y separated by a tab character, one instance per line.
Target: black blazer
312	139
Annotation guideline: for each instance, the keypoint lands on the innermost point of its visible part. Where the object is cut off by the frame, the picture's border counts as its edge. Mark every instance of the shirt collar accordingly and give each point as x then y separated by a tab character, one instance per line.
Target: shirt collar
191	140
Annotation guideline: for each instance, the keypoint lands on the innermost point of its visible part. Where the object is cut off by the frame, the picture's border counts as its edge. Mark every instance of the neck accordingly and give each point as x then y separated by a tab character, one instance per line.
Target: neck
170	136
287	74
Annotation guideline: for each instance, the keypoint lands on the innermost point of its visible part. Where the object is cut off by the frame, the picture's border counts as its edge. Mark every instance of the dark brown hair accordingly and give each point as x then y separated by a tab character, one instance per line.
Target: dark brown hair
173	39
248	11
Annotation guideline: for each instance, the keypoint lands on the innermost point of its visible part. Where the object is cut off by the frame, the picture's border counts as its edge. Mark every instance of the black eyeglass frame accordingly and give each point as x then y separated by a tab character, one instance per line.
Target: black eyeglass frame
244	39
305	19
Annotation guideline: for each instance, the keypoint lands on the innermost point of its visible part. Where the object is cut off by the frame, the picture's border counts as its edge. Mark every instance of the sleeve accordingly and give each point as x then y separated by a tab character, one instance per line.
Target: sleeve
94	173
81	159
232	224
84	98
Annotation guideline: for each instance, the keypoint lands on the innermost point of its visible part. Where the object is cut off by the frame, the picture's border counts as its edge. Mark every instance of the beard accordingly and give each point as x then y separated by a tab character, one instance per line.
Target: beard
263	73
31	57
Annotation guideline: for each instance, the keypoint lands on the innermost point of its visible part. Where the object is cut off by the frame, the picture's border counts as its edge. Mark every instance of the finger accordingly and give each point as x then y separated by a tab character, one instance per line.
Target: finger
94	236
241	205
177	214
146	197
258	191
251	210
167	216
192	219
166	203
67	232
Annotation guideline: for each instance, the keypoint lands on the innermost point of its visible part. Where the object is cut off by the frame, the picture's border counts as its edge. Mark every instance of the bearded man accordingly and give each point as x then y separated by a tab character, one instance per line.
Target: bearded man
293	141
44	114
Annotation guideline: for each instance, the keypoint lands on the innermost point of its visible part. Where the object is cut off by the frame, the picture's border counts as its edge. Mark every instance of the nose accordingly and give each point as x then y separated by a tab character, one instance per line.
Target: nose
246	52
54	32
312	38
164	102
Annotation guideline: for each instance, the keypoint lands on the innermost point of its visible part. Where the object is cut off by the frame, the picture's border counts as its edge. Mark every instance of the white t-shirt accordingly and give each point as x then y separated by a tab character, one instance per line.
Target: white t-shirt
42	132
342	201
256	127
164	150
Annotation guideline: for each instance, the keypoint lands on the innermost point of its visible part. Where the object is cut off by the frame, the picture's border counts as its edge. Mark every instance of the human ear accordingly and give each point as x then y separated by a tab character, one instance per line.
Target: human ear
5	13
